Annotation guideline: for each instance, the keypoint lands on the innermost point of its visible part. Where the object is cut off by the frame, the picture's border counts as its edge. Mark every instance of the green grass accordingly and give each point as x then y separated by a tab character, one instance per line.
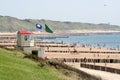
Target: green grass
13	66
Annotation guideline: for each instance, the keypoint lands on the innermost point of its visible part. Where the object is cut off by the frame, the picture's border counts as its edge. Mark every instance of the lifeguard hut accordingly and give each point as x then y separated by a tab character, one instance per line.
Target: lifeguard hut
25	39
25	42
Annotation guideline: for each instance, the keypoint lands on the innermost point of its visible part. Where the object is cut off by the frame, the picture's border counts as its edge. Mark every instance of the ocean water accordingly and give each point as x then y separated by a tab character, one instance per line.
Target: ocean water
103	40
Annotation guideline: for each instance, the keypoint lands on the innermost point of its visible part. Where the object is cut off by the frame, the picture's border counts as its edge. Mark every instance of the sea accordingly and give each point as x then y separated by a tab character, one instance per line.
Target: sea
94	40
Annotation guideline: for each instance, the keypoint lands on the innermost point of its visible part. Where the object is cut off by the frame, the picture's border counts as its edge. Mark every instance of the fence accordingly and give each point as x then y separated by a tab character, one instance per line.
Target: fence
102	68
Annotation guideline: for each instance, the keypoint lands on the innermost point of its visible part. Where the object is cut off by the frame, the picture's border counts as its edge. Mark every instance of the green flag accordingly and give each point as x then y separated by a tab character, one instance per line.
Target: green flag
47	29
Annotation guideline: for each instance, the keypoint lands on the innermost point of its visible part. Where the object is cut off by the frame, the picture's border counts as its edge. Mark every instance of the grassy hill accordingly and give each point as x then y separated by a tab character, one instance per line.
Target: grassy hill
13	66
11	24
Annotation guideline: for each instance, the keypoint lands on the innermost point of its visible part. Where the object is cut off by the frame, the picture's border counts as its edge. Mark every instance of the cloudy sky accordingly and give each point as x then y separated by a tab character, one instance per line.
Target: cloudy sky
86	11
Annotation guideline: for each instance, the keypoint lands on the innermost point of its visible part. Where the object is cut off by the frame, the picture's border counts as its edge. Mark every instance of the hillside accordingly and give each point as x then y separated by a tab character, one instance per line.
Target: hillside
11	24
13	66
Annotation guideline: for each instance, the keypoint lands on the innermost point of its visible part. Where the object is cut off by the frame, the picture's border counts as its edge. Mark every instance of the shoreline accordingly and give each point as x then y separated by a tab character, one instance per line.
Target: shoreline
67	32
87	32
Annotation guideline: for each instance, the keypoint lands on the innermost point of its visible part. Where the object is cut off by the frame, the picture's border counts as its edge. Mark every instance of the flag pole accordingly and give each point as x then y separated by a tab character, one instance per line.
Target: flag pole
44	43
48	30
44	40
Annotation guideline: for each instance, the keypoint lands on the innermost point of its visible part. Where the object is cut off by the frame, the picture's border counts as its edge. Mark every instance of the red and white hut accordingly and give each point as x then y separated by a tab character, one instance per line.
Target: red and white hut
25	39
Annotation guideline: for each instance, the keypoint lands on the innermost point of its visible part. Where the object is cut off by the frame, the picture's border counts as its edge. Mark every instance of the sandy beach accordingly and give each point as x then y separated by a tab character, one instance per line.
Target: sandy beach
68	32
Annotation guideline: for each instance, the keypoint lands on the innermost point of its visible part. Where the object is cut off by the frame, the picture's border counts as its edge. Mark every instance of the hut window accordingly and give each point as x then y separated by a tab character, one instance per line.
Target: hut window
26	37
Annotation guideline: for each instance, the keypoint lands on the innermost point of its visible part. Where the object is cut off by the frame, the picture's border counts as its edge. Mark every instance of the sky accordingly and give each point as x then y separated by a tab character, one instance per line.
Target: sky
84	11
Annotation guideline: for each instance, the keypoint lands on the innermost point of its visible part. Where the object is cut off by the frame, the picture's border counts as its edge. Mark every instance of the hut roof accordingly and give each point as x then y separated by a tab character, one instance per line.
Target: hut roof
24	32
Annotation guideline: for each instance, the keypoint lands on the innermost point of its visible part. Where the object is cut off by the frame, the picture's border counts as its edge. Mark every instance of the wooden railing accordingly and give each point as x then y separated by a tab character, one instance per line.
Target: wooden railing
102	68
